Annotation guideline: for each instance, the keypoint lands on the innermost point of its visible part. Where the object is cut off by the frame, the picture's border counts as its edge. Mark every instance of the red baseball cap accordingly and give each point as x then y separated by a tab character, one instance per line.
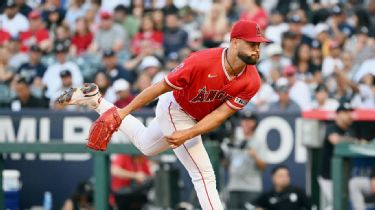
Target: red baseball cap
247	30
105	15
289	70
34	14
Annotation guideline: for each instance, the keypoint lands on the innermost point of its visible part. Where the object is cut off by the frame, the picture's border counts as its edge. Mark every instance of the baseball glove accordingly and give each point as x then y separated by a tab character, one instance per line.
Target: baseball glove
103	128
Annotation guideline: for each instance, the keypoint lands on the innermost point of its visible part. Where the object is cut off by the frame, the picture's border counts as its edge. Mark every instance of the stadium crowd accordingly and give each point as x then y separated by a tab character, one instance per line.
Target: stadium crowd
322	52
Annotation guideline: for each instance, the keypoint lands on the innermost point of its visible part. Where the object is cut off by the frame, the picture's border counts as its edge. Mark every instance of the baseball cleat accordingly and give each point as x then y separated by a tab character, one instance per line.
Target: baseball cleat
88	95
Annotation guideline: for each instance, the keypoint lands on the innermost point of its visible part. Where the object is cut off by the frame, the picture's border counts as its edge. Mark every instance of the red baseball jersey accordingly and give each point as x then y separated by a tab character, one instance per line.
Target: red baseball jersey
202	83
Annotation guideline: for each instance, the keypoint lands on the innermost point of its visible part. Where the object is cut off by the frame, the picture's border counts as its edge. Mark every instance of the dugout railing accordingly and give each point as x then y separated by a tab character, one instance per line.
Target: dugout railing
101	162
312	129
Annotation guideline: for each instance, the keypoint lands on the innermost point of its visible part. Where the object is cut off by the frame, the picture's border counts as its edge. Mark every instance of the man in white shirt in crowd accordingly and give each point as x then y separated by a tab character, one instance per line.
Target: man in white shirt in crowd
51	78
264	97
367	67
247	162
332	62
275	62
322	100
298	90
12	21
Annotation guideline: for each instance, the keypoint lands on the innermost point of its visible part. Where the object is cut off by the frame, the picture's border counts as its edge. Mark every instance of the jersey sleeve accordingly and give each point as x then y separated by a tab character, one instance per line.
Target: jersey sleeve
240	101
181	76
243	97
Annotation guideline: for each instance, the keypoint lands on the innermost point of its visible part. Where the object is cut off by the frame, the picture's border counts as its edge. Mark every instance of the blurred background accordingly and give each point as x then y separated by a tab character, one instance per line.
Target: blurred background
316	102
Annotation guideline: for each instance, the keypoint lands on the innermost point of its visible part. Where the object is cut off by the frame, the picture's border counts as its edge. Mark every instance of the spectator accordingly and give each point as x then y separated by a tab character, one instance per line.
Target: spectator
296	25
338	132
150	65
298	90
51	78
54	17
201	7
66	84
6	76
122	89
272	66
33	70
147	37
77	9
322	100
285	103
215	26
332	62
247	162
36	35
361	188
308	28
371	10
360	46
130	181
159	19
365	97
109	35
195	42
82	37
263	98
366	67
289	43
305	68
62	36
316	56
24	98
171	61
169	7
23	8
253	11
82	198
287	5
345	88
283	195
113	69
276	27
92	16
323	38
12	21
111	5
143	82
4	37
17	57
174	37
103	81
189	20
340	29
137	9
123	17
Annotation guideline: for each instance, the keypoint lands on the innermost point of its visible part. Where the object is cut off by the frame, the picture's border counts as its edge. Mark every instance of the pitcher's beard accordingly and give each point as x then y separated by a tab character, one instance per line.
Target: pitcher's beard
249	60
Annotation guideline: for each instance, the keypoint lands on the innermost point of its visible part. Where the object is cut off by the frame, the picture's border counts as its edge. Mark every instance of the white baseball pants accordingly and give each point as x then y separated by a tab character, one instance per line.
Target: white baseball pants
359	187
192	154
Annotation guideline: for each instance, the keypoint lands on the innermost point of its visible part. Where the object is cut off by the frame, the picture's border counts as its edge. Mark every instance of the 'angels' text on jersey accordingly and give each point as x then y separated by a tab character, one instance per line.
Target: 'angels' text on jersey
205	95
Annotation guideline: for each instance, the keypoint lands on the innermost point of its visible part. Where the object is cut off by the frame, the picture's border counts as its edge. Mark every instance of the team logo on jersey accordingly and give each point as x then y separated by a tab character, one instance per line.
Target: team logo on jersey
240	101
205	95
